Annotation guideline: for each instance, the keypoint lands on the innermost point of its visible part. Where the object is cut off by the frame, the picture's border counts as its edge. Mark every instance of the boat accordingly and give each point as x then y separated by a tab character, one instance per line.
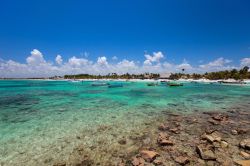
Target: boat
99	84
232	82
174	84
115	85
74	81
152	84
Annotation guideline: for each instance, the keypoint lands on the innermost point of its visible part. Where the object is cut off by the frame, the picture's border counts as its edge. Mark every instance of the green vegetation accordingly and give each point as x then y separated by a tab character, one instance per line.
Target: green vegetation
114	76
234	74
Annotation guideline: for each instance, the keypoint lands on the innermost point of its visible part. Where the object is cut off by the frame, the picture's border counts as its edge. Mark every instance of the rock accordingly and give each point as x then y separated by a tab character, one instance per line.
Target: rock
208	137
157	161
163	127
175	130
138	161
213	122
212	137
245	155
243	162
234	132
205	154
224	144
181	160
219	117
241	131
148	155
163	139
216	136
245	144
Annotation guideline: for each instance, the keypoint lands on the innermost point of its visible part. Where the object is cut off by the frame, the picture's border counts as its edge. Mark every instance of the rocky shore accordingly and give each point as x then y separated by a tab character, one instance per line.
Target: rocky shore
200	138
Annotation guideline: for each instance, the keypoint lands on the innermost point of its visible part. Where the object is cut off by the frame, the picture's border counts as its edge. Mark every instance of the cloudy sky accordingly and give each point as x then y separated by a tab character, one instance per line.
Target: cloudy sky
46	38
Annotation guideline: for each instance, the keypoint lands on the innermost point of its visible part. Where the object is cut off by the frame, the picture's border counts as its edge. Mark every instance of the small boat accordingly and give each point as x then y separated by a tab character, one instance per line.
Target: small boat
115	85
152	84
74	80
174	84
99	84
232	82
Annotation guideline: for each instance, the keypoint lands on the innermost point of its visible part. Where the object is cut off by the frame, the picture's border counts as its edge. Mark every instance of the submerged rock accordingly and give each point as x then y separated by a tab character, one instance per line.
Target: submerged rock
245	144
181	160
163	139
148	155
138	161
245	155
205	154
243	162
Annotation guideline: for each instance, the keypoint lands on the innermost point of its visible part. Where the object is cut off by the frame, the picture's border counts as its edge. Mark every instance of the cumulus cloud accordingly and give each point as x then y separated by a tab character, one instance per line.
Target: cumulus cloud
218	64
35	58
78	62
59	59
156	57
37	66
245	62
102	61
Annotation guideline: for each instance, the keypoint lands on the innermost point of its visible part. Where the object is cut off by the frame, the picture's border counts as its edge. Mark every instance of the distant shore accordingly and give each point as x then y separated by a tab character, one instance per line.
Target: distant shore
138	80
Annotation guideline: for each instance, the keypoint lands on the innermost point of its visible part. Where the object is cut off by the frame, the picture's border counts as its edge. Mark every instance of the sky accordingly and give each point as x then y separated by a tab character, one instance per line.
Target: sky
40	38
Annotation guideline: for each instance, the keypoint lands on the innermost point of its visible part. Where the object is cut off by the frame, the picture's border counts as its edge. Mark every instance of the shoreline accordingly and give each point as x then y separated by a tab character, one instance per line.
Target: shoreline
198	138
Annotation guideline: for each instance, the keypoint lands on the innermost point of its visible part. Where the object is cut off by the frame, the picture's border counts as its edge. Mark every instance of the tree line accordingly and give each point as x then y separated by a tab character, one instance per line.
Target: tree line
226	74
234	74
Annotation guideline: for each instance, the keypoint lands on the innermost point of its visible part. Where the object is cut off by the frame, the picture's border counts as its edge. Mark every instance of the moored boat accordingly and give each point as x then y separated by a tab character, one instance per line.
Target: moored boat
174	84
115	85
99	84
152	84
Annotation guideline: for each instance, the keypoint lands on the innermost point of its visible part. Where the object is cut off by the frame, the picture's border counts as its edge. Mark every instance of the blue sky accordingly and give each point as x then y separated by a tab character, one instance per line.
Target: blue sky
189	32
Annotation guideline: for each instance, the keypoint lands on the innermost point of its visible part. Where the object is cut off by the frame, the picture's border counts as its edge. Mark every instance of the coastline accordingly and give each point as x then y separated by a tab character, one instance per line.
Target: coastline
199	138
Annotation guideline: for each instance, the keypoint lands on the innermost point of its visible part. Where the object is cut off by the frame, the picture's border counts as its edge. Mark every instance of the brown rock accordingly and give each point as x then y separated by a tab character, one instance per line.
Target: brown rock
213	122
216	136
138	161
157	161
245	143
148	155
243	162
242	131
163	127
181	160
219	117
163	139
205	154
245	155
208	137
175	130
224	144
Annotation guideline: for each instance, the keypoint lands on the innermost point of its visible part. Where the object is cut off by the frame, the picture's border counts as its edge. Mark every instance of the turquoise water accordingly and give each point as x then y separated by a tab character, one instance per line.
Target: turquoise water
43	121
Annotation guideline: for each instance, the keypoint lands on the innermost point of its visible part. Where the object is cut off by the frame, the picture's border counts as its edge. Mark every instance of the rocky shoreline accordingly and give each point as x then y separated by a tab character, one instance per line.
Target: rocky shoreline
200	138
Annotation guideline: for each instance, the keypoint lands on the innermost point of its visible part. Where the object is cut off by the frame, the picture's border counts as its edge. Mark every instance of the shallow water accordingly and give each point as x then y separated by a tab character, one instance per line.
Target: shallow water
43	121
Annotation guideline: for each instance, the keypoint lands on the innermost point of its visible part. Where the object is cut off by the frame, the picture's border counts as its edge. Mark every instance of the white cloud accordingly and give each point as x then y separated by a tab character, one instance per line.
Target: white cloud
35	58
102	61
59	59
37	66
153	58
78	62
245	62
218	64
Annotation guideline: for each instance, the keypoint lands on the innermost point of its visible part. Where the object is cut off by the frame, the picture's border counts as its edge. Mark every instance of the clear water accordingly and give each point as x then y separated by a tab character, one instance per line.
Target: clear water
43	121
